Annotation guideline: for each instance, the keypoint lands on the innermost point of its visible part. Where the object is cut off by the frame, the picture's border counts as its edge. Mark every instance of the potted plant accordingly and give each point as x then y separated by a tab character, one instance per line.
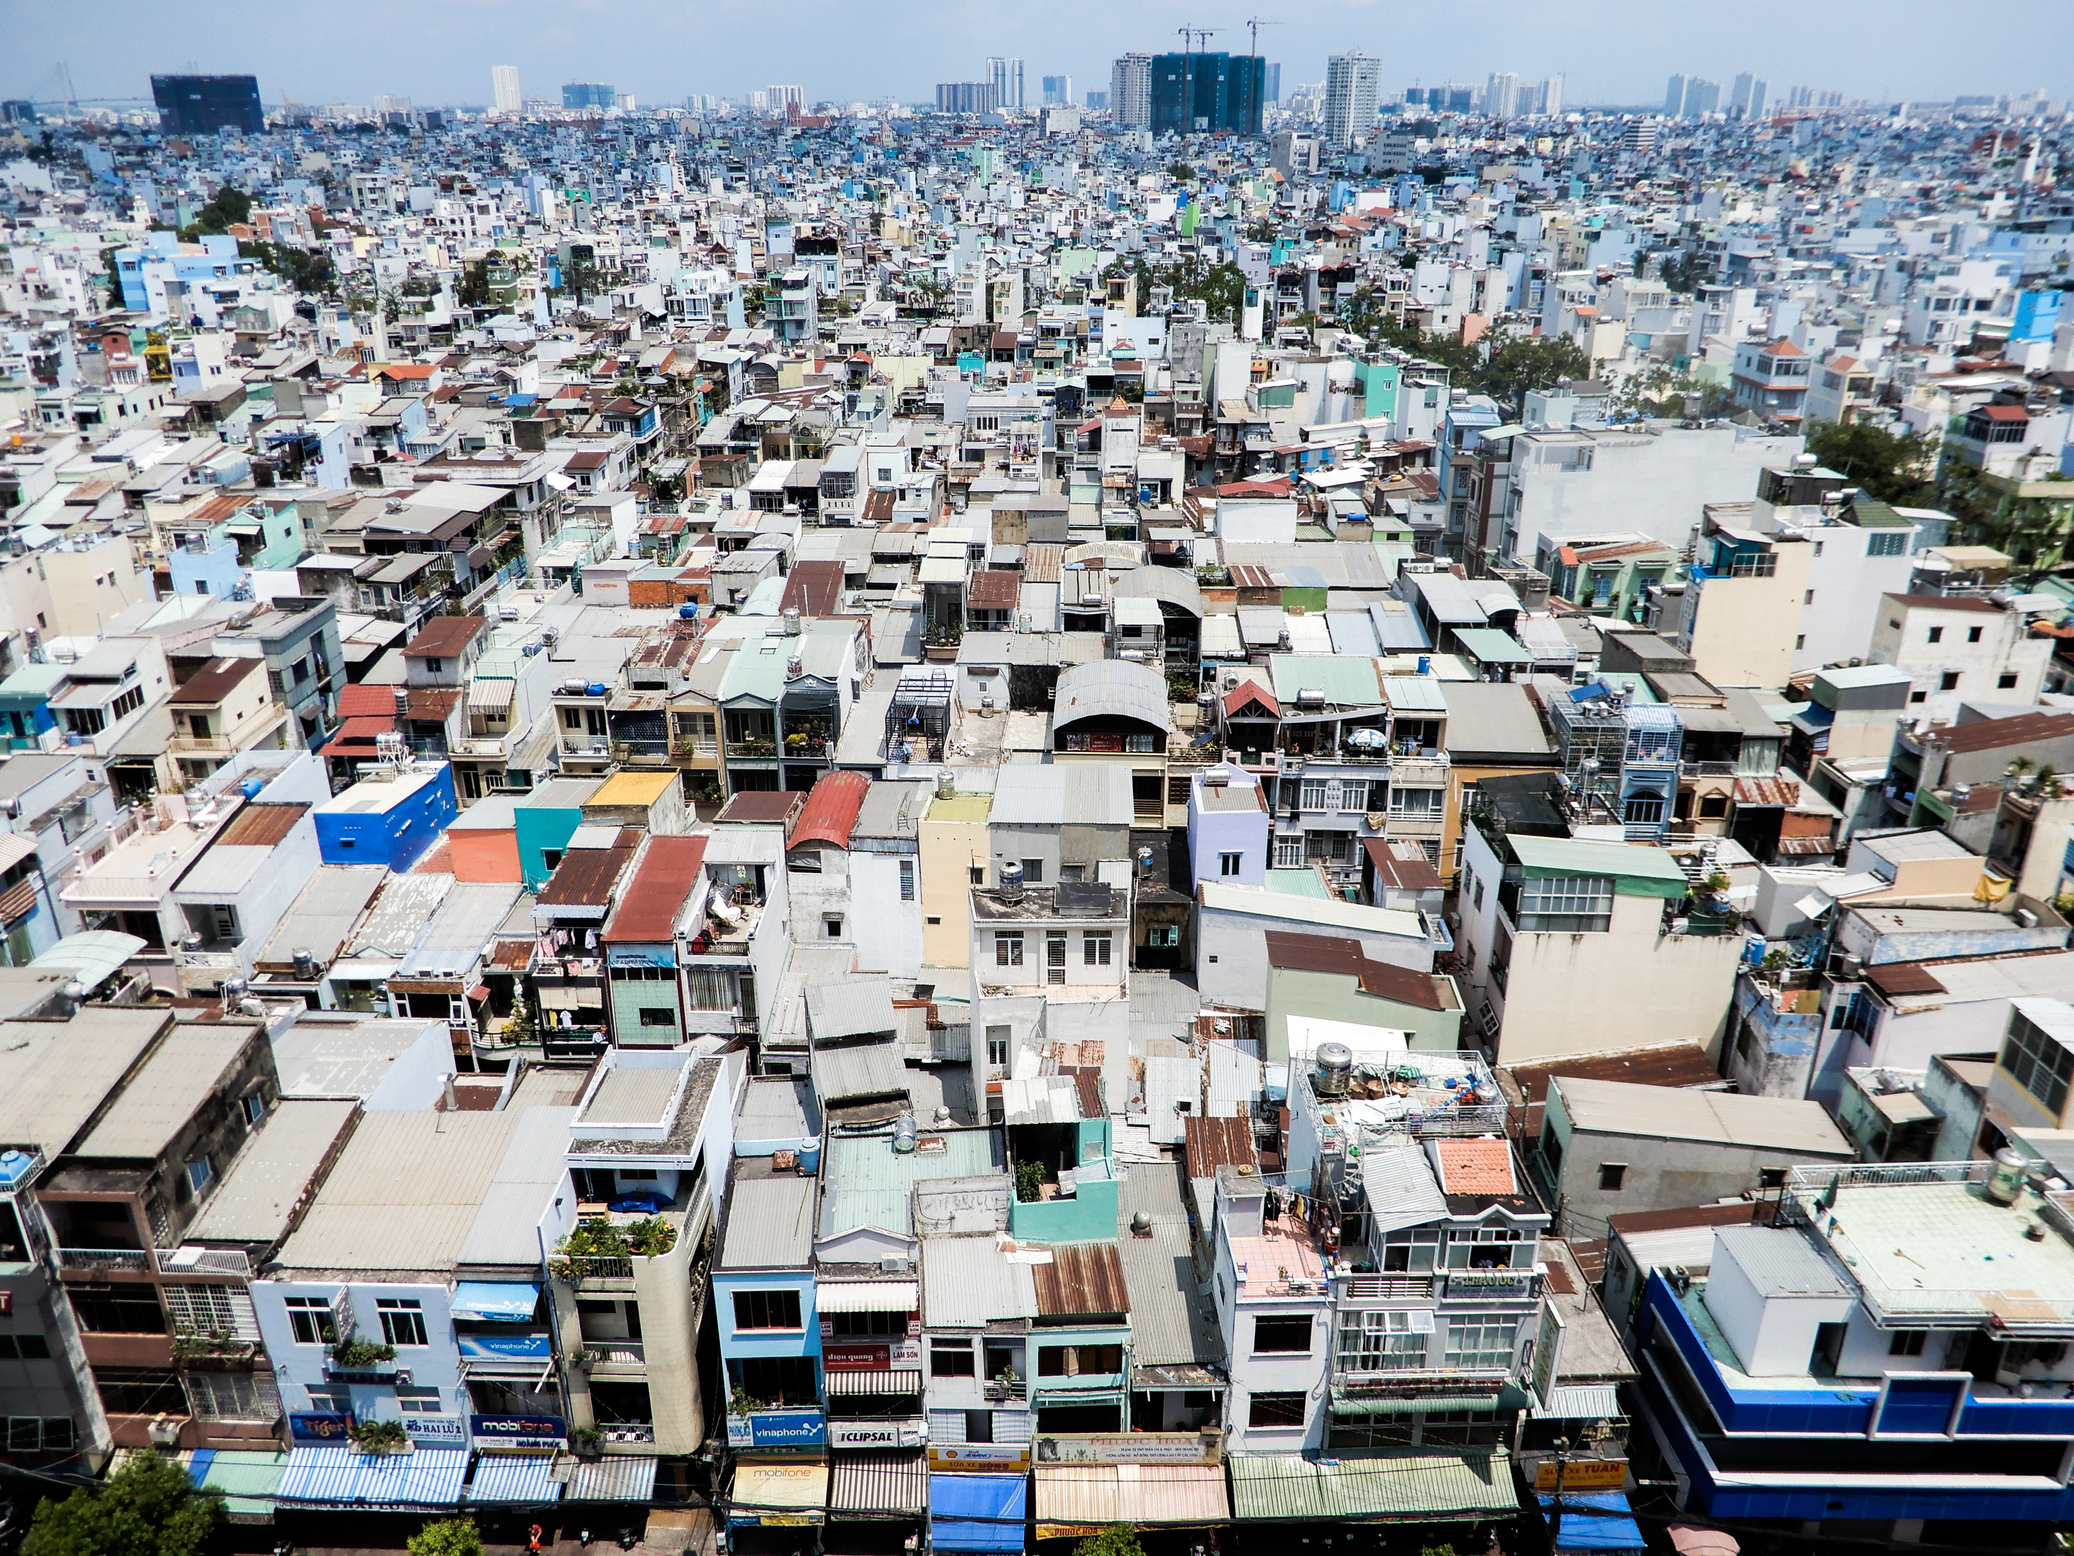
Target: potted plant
360	1353
582	1359
649	1236
379	1437
586	1442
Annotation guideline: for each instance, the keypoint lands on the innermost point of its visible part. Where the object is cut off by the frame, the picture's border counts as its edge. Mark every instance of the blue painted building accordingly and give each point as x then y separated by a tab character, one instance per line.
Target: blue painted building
387	820
1890	1358
763	1306
25	705
205	563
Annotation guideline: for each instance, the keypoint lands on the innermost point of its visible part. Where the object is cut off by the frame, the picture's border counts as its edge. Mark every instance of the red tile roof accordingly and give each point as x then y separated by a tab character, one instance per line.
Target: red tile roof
444	637
1250	691
831	810
2005	413
1476	1167
361	701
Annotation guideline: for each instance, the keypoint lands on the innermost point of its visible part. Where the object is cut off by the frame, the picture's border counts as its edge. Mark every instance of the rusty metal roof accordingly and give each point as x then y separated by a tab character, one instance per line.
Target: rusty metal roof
260	826
1083	1280
1210	1143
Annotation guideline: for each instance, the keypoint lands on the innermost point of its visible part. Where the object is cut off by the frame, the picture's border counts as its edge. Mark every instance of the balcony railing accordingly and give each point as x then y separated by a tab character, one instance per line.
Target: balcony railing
221	744
590	1267
1389	1288
610	1355
627	1432
137	1260
752	748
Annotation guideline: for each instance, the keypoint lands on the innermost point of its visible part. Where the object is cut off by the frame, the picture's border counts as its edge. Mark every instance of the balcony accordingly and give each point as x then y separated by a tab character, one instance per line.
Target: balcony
1388	1288
616	1358
134	1261
219	745
755	748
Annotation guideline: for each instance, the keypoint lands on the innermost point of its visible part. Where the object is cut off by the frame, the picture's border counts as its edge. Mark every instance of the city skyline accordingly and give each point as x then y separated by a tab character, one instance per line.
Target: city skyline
850	54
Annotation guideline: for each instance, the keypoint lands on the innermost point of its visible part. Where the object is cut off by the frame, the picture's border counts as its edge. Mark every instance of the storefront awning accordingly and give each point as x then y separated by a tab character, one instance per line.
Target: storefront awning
889	1483
247	1480
1595	1521
779	1494
514	1477
1411	1405
494	1301
621	1478
851	1384
878	1296
1079	1499
1411	1485
335	1476
977	1512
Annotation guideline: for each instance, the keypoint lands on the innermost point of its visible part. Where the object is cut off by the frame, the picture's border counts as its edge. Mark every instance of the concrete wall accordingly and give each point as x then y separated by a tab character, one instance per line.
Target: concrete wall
952	839
888	930
1231	951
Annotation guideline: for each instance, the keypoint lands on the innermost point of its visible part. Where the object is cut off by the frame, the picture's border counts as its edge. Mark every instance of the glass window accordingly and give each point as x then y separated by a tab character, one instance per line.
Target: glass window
951	1359
1566	902
402	1321
1230	864
1008	949
1094	950
1286	1333
310	1320
1275	1410
1481	1345
2036	1062
767	1310
907	880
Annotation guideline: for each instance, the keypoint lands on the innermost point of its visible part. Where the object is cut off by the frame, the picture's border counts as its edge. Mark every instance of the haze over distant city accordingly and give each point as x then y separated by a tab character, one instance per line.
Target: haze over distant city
440	51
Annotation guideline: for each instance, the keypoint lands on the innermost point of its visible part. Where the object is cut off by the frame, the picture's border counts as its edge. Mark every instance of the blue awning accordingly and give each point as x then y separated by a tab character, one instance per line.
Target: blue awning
1595	1521
514	1477
978	1512
433	1477
494	1301
326	1474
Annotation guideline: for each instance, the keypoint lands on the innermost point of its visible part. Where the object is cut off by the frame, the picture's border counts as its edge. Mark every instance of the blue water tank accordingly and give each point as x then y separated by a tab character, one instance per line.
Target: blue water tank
687	613
250	788
595	689
1425	665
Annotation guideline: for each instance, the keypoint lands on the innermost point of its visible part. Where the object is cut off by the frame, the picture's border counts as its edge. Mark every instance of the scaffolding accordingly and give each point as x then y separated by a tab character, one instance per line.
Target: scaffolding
919	717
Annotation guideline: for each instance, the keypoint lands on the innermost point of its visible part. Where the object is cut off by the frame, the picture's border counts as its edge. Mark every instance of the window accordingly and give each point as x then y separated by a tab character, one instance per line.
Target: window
907	880
1611	1176
1094	949
1949	681
1808	598
868	1326
978	873
309	1318
1163	935
1275	1410
979	1426
767	1310
1282	1334
807	861
402	1321
1033	872
255	1107
658	1016
1801	641
1073	1361
2036	1062
1288	850
1936	634
832	927
1481	1345
1907	1342
1055	956
1567	902
199	1172
1890	542
1353	794
572	718
951	1359
1918	696
997	1047
1771	1177
2006	681
1230	864
1313	797
1008	948
1415	803
1973	634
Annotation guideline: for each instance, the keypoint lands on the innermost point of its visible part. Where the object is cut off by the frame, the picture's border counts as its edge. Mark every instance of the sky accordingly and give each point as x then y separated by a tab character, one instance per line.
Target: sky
439	52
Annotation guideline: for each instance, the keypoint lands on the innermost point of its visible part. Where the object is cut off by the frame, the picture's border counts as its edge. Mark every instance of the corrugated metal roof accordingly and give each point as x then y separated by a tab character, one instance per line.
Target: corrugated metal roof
1141	1494
398	917
868	1183
1093	794
1040	1099
55	1076
1082	1280
663	880
882	1480
860	1005
831	810
586	877
1401	1188
1581	1402
1379	1485
1110	688
1168	1323
465	920
859	1070
1779	1261
168	1091
1635	870
267	1180
967	1282
323	914
770	1225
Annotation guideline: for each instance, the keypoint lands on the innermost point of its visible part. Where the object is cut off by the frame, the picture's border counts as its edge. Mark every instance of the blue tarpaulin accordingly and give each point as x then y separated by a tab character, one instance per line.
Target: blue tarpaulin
1596	1521
494	1301
977	1512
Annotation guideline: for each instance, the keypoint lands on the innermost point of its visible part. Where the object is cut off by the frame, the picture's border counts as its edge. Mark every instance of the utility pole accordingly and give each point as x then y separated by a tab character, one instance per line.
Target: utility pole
1555	1512
1256	99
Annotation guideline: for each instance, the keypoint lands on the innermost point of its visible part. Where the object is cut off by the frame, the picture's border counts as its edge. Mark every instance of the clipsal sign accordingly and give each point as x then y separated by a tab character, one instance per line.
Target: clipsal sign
875	1434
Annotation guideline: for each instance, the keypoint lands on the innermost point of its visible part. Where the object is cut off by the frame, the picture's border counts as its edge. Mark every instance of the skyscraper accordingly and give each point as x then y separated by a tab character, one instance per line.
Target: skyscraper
1217	94
1274	83
1007	76
1746	97
588	94
1501	95
1674	98
1551	96
504	88
1353	86
204	105
1701	96
1058	91
1130	91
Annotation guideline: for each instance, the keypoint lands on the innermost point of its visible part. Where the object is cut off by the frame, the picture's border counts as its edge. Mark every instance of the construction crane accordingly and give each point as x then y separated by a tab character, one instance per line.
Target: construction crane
1188	53
1254	79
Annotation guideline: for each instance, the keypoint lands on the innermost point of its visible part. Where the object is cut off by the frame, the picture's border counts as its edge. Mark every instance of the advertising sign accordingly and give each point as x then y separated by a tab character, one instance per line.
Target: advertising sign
1582	1475
778	1429
991	1458
519	1431
312	1427
875	1434
1132	1448
437	1431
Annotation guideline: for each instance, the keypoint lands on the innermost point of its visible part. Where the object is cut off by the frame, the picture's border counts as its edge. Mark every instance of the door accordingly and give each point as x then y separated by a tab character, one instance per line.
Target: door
1055	957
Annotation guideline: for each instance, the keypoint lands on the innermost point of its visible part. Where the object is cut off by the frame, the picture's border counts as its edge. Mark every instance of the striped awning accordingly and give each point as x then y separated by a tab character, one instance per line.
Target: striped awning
1410	1405
490	696
887	1483
855	1296
899	1380
343	1476
326	1474
616	1478
514	1477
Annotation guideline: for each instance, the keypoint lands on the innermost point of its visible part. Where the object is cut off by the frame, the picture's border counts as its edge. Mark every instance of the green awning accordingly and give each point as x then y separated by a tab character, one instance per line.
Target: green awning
1376	1486
1343	1405
1638	870
1487	645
